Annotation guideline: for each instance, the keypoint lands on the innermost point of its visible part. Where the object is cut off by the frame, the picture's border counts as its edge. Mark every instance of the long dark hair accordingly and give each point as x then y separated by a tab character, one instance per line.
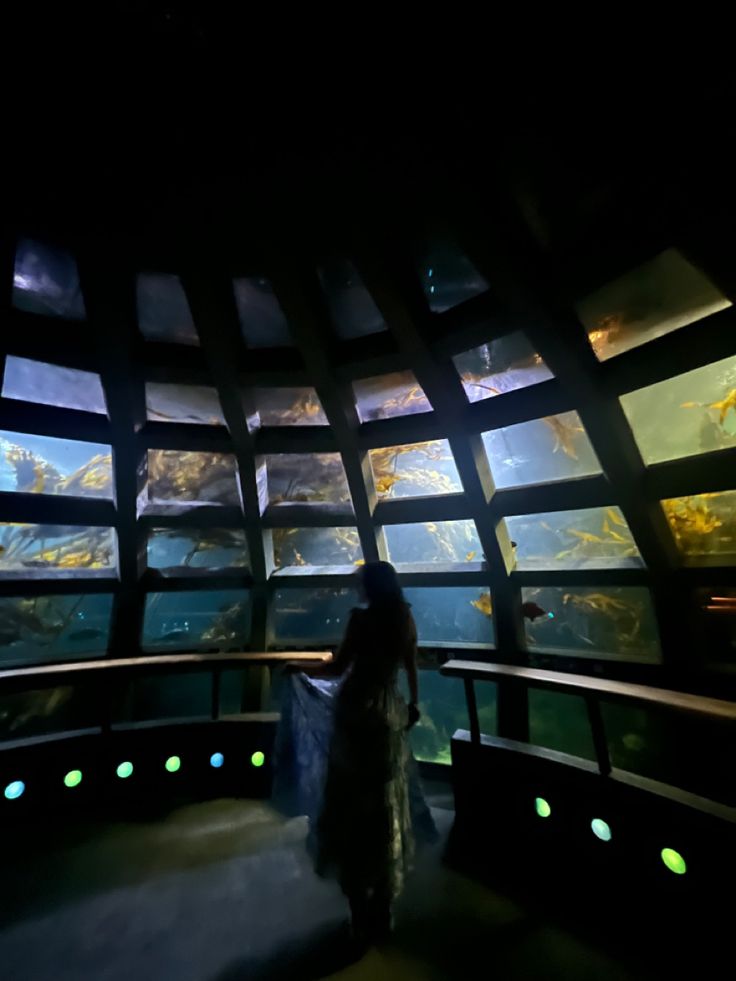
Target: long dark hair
381	584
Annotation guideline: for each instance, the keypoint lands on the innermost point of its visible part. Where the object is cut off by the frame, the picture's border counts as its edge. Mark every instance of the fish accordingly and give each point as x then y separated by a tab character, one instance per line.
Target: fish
432	527
585	536
483	604
615	518
470	556
543	524
691	405
564	434
359	562
88	634
729	402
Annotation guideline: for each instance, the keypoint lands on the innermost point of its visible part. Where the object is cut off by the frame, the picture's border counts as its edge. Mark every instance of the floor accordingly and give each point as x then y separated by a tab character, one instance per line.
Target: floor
223	891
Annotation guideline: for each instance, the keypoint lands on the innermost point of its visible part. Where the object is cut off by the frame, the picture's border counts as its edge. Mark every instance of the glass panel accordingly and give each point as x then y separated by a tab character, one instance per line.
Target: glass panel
386	396
647	302
288	407
433	541
444	710
172	696
448	276
448	615
197	620
163	310
309	547
615	621
192	478
716	624
46	465
55	551
53	628
560	721
262	320
174	549
311	616
540	451
352	309
415	470
683	416
298	478
46	281
704	526
25	714
197	404
48	384
500	366
591	538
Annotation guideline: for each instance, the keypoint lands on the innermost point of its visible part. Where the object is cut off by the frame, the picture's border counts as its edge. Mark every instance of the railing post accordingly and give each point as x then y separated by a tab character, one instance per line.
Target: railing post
598	733
472	711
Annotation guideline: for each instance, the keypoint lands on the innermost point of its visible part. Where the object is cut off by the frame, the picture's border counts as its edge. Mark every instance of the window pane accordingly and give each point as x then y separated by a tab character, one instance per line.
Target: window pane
46	281
48	384
305	548
288	407
55	551
433	541
163	310
617	621
590	538
354	314
647	302
191	478
704	526
262	320
45	465
168	696
500	366
197	404
386	396
540	451
197	620
683	416
311	616
415	470
53	628
448	615
448	276
298	478
444	710
43	711
173	549
560	721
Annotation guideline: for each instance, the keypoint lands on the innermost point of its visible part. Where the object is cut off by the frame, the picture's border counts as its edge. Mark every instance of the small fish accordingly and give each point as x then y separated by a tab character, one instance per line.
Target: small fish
470	556
615	518
585	536
294	609
691	405
359	562
432	527
174	635
88	634
483	604
543	524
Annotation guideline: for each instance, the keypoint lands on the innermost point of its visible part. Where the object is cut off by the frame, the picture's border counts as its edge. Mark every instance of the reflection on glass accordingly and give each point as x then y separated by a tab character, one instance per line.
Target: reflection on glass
163	310
448	276
415	470
167	696
444	711
46	281
589	538
386	396
262	320
48	384
39	712
614	621
55	551
560	721
197	404
52	628
447	615
353	311
433	541
305	548
172	549
500	366
294	406
191	478
46	465
687	415
540	451
704	526
311	616
647	302
715	608
197	620
300	478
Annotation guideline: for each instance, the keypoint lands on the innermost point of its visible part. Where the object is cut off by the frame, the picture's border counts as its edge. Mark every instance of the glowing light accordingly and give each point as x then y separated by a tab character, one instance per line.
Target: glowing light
674	861
430	273
542	807
600	829
124	770
15	790
73	778
258	758
172	764
431	288
216	760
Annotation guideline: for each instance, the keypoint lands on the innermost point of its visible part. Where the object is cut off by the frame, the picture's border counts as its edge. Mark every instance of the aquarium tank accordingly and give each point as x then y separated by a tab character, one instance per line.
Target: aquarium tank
447	275
415	470
502	365
46	281
387	396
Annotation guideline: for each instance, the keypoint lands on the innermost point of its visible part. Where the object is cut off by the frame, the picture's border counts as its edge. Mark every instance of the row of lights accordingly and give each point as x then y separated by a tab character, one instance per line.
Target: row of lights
16	788
672	859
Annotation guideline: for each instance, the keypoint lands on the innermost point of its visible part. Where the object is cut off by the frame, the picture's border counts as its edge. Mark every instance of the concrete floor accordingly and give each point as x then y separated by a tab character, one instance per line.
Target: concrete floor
223	891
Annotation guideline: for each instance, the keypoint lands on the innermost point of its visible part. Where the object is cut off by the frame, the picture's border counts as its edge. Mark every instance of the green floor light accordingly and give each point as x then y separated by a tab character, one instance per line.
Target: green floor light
601	829
73	778
15	790
674	861
542	807
124	770
258	758
173	764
